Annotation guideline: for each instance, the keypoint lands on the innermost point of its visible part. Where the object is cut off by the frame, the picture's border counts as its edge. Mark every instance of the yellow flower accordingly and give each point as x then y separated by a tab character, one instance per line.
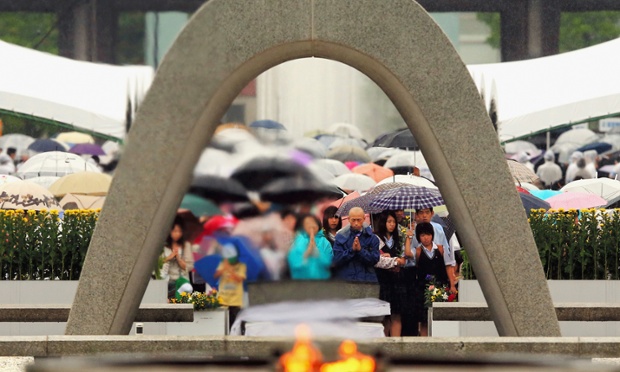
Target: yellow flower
32	212
54	212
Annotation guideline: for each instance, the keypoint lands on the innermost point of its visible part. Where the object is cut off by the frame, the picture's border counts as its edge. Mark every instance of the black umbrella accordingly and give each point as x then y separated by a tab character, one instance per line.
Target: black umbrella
402	139
46	145
262	170
530	202
245	210
292	190
448	226
218	189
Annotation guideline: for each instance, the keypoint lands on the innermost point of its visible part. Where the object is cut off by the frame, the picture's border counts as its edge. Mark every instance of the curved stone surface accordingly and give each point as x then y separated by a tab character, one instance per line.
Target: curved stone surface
229	42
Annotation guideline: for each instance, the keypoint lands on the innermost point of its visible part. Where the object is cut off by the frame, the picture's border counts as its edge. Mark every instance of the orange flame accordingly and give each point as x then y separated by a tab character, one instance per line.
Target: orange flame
304	357
351	360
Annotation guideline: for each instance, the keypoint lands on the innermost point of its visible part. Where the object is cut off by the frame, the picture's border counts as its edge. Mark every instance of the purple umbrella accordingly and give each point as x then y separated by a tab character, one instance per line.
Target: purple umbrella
87	149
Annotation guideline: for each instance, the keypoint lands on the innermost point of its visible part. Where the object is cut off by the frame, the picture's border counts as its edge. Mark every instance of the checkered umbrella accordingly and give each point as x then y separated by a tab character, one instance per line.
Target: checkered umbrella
521	173
365	200
409	197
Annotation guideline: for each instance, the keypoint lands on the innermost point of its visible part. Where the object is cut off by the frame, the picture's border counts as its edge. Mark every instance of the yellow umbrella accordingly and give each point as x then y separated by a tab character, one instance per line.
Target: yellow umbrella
71	201
75	137
26	195
82	183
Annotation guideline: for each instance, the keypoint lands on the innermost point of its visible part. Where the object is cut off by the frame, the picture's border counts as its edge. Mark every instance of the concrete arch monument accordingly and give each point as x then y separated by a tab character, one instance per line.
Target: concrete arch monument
396	43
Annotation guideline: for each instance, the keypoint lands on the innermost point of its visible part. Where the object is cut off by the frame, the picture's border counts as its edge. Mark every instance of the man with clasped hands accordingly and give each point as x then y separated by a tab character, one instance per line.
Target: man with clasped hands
356	250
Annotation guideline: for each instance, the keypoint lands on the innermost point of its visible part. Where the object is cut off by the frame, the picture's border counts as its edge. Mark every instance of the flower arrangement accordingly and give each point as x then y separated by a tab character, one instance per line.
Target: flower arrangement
200	300
436	292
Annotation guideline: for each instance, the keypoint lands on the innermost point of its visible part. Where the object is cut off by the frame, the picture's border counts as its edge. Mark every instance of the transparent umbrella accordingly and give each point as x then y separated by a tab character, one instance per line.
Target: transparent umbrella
54	163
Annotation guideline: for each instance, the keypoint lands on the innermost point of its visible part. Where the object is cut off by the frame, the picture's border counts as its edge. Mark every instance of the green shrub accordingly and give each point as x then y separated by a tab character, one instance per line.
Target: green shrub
574	244
40	245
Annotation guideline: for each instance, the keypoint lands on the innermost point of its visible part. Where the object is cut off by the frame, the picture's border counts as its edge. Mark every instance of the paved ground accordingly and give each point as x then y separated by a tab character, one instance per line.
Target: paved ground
14	364
19	364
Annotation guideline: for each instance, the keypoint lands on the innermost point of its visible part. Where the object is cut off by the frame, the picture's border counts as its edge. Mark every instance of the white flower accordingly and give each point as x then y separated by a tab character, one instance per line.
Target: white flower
445	296
435	291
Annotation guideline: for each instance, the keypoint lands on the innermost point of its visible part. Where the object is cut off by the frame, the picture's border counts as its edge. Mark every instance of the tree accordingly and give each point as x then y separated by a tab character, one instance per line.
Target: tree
40	31
577	30
31	30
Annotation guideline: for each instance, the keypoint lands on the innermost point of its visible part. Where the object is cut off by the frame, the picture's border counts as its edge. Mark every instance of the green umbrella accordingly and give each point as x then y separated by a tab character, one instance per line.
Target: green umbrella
199	206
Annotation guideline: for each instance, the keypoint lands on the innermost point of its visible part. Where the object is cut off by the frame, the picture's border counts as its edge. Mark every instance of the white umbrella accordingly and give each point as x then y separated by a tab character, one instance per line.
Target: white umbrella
527	186
409	179
613	139
402	159
354	182
26	195
311	146
345	130
518	146
5	178
19	142
606	188
227	138
579	136
355	142
334	167
378	152
322	174
54	163
214	162
571	140
112	149
564	151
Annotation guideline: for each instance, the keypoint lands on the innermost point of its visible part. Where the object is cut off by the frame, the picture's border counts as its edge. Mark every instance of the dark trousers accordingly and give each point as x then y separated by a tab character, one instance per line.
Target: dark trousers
232	315
408	318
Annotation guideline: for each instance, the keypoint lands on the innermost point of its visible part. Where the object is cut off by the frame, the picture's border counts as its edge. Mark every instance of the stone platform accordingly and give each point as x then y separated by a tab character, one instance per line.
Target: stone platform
237	346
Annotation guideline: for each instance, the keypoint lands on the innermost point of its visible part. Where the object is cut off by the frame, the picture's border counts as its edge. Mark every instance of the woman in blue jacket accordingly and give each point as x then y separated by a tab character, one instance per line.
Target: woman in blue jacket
311	254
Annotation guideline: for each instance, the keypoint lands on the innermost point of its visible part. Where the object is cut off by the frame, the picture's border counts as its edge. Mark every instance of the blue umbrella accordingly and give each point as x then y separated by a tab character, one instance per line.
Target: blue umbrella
531	202
267	124
600	147
544	194
250	257
46	145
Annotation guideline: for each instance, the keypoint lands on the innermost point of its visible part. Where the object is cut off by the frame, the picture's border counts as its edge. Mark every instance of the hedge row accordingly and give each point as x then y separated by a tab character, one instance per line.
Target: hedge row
41	245
574	244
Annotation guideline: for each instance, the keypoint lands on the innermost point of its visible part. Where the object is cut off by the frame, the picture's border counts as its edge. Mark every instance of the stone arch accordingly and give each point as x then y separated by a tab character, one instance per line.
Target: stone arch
229	42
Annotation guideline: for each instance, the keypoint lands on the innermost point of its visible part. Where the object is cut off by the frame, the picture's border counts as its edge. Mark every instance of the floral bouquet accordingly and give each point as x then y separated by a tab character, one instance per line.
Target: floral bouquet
200	300
436	292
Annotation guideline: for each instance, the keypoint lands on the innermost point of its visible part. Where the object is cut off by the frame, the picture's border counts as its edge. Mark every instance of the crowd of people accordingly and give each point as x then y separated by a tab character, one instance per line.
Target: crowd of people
400	254
581	165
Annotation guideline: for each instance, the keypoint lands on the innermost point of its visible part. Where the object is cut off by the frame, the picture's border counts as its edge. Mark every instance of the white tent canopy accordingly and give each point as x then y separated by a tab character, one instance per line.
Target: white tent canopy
91	96
540	94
